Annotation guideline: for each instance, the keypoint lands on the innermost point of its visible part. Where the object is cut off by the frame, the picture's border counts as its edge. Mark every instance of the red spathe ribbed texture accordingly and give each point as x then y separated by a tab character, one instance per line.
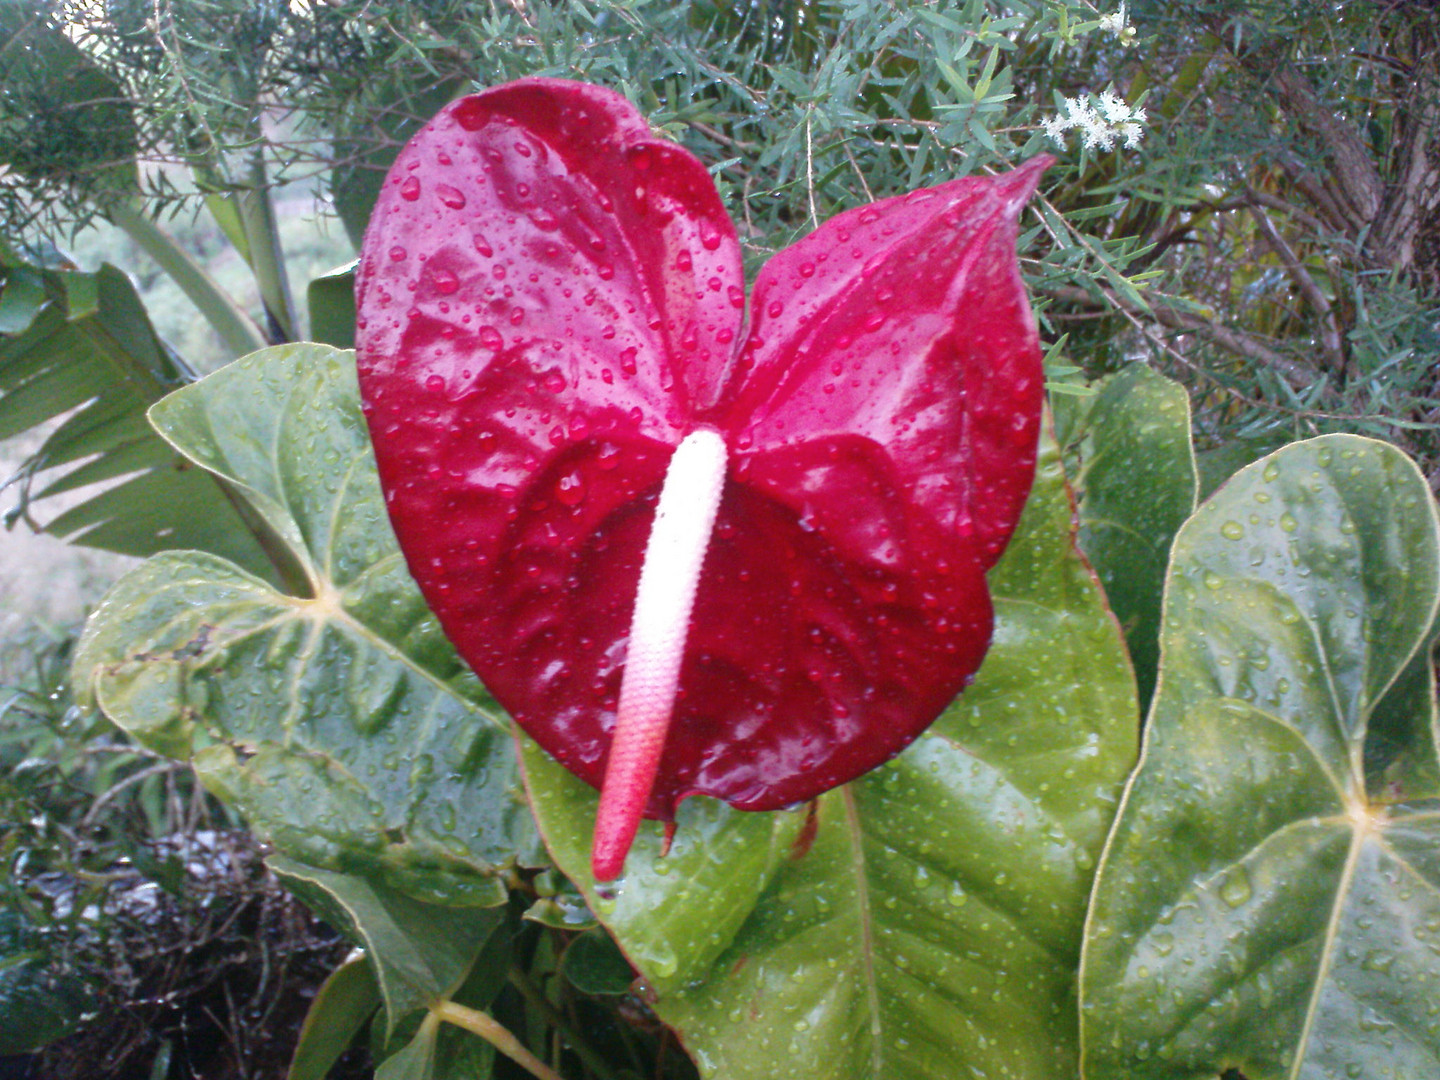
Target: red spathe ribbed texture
550	299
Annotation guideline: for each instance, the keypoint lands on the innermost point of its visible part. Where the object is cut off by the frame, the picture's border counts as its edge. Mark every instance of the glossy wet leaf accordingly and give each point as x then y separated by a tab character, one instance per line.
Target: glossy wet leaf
331	300
342	725
926	922
550	298
1138	486
595	964
343	1005
421	1047
560	905
1257	868
1402	753
420	952
1217	464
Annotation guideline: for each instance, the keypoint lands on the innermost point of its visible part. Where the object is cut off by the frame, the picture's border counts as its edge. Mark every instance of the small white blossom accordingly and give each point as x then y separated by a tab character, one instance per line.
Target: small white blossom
1114	107
1118	23
1099	127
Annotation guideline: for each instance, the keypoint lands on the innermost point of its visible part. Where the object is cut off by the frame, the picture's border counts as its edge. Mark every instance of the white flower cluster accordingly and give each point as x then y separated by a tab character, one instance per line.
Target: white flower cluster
1101	122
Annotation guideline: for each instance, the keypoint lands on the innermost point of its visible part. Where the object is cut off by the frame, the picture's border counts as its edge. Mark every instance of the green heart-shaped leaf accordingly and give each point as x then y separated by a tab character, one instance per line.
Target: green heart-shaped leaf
1137	489
421	952
342	724
342	1007
1260	865
596	966
926	920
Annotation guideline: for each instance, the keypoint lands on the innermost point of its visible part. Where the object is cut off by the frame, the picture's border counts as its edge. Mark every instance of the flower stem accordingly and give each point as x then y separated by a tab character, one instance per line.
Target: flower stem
496	1034
552	1016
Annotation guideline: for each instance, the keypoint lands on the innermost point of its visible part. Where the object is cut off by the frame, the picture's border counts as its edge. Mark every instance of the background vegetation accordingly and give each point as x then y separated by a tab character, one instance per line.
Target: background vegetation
1272	243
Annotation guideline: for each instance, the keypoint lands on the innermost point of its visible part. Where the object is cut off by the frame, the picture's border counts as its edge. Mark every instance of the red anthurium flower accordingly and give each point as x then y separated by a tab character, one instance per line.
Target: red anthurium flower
551	302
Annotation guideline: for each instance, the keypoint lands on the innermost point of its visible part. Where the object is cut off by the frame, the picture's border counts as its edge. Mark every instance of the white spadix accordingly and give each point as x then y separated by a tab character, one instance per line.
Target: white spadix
669	576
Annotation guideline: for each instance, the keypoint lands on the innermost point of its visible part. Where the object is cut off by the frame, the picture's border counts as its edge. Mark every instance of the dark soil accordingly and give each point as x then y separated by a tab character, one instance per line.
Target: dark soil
210	981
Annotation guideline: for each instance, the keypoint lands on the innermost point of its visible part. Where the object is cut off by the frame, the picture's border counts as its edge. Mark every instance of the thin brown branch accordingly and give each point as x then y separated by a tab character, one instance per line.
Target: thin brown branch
1200	371
724	140
1358	178
1330	339
1284	206
1357	189
859	172
138	777
1414	197
1298	375
524	13
1340	221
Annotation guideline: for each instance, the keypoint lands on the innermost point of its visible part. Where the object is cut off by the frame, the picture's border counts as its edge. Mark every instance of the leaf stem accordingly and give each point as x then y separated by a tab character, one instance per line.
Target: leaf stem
267	260
235	328
536	1000
496	1034
289	570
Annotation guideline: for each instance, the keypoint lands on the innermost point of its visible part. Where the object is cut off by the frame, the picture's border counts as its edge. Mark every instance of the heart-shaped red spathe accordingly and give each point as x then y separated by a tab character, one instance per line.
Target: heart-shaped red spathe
551	298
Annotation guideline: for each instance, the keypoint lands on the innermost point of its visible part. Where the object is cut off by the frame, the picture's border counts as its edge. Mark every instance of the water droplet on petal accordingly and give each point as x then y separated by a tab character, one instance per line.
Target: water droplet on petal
452	197
570	491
